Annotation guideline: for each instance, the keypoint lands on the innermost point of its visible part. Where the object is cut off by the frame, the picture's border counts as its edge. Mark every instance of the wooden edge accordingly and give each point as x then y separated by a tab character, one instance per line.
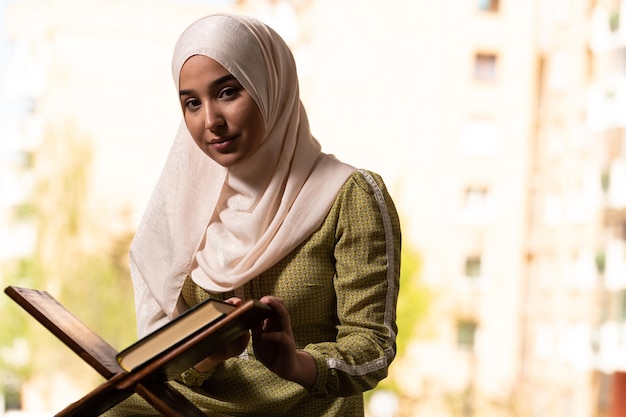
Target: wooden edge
100	399
101	356
68	328
167	400
159	394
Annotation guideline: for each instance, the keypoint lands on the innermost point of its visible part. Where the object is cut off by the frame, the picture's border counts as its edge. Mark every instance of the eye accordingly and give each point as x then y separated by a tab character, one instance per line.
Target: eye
192	103
228	92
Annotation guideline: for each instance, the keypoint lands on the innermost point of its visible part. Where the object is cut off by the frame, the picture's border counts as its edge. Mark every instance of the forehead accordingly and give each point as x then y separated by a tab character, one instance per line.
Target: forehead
200	68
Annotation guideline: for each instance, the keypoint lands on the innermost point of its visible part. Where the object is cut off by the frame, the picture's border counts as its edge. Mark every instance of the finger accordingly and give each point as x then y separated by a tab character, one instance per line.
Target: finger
256	330
273	301
234	301
275	337
277	304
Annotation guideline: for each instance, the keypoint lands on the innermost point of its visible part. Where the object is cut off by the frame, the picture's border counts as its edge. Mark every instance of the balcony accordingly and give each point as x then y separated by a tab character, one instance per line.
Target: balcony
611	355
615	265
606	104
608	29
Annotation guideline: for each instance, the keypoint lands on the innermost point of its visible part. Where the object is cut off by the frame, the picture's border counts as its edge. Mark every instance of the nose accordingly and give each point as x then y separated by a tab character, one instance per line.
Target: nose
213	117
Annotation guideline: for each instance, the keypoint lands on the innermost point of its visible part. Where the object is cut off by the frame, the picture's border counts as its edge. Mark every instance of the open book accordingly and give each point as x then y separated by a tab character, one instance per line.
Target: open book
147	365
177	331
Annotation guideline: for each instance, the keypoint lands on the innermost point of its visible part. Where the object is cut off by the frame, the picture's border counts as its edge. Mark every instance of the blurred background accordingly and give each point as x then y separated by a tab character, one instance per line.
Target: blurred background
498	125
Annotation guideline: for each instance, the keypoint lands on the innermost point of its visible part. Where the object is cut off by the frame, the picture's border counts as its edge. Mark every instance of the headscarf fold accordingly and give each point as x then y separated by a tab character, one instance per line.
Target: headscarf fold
225	226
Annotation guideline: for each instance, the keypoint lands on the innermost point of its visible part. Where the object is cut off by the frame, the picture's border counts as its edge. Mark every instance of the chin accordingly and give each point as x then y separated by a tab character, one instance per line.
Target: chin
226	162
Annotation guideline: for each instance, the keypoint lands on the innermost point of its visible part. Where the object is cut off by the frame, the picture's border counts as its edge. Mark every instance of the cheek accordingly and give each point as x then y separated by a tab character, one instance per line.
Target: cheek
260	128
256	123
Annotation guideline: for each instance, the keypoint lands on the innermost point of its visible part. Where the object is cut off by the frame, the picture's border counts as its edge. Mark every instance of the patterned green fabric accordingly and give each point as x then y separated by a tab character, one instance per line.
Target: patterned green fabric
340	287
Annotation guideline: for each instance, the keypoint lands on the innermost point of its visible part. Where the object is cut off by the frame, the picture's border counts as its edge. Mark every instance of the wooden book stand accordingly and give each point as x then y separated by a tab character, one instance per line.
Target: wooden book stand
147	381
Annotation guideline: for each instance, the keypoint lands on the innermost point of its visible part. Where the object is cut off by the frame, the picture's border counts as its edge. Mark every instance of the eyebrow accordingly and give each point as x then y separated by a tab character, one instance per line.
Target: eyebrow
221	80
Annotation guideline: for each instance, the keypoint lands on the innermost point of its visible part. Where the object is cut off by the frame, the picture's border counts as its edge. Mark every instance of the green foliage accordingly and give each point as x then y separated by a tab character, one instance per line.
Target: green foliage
24	212
77	259
413	300
614	21
17	326
12	347
100	293
600	261
413	303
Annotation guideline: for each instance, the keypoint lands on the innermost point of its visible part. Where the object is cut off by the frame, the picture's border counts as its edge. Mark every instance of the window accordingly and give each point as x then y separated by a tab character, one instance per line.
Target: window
472	276
485	66
616	195
559	71
574	345
476	205
621	60
553	209
615	265
577	206
556	140
546	271
26	159
466	334
544	341
622	306
473	266
581	270
614	22
481	137
12	397
488	5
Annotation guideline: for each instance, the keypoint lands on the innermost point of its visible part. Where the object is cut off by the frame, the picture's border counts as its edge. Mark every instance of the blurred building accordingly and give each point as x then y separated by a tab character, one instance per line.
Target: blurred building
562	279
536	304
499	126
82	80
87	82
507	131
526	243
606	104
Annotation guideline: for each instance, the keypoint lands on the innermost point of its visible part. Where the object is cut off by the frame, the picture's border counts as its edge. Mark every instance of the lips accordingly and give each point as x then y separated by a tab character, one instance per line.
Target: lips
220	140
223	144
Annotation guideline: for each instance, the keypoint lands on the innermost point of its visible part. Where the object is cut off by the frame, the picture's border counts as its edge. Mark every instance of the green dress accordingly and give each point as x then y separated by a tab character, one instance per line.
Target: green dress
340	287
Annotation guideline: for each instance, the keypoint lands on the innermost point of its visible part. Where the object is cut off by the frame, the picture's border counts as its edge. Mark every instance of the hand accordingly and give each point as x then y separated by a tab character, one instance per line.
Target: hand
275	347
231	350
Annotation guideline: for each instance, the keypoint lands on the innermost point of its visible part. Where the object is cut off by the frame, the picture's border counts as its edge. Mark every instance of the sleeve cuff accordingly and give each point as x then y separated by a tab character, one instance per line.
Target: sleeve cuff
193	378
320	388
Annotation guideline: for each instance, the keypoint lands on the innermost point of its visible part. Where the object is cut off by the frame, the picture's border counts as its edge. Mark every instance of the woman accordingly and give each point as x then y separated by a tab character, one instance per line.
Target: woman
248	206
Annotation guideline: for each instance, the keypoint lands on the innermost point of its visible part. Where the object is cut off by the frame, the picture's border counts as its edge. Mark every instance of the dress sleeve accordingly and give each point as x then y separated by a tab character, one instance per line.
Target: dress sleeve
367	255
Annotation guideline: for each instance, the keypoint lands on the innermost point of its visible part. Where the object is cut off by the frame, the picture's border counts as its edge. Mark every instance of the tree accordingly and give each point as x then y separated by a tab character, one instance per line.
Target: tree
76	258
413	303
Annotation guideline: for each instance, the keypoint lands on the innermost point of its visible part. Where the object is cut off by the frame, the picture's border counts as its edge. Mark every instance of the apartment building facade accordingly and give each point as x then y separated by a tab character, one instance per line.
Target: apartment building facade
607	125
499	127
529	260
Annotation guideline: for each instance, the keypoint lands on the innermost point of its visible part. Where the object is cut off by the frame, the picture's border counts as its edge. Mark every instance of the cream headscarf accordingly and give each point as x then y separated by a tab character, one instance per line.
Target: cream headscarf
226	226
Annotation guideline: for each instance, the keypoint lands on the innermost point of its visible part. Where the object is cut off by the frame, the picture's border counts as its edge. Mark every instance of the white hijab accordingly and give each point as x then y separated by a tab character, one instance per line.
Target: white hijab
225	226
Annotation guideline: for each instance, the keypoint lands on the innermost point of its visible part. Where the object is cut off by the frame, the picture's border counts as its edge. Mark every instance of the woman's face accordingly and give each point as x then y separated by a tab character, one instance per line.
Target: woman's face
221	116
